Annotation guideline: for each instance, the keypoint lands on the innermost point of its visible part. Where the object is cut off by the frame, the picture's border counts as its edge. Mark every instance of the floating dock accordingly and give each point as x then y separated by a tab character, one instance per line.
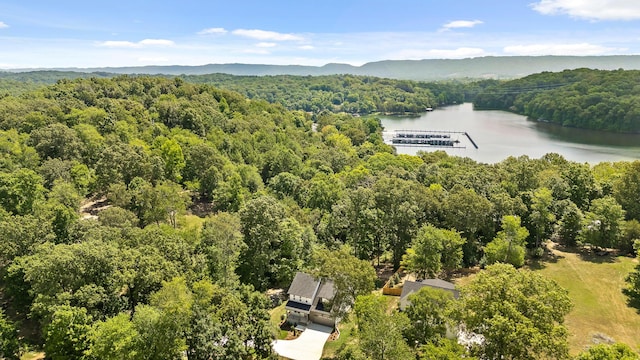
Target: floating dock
430	138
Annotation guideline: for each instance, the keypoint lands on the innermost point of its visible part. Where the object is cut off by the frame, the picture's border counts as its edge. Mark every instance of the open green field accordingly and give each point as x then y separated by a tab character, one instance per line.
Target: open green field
595	286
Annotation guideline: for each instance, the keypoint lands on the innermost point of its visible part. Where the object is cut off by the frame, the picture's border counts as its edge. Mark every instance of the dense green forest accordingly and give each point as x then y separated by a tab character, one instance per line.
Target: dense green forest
143	278
346	93
583	98
335	93
16	83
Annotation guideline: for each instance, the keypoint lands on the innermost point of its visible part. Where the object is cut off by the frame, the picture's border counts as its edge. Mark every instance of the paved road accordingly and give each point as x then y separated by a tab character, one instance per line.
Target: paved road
308	346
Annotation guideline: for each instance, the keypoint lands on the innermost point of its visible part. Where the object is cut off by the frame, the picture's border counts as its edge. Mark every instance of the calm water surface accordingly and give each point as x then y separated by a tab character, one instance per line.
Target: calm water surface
501	134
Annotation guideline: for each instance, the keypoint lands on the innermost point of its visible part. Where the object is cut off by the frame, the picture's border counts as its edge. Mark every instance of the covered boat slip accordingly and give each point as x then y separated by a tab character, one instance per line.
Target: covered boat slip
431	138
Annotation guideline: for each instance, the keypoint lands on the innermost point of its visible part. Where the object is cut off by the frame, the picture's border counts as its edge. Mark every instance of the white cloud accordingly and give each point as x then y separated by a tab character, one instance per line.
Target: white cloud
157	42
118	44
266	35
590	9
583	49
212	31
3	25
139	44
266	44
459	53
461	24
306	47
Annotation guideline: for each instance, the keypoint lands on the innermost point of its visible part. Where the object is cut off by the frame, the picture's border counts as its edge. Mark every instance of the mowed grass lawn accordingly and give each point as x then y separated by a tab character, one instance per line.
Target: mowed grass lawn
595	286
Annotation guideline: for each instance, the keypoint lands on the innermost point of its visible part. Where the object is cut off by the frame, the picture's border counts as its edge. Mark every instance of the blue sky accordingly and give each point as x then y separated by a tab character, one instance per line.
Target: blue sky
85	33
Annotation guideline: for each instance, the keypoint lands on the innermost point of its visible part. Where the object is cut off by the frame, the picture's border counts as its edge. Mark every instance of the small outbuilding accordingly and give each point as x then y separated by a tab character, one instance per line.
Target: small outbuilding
411	287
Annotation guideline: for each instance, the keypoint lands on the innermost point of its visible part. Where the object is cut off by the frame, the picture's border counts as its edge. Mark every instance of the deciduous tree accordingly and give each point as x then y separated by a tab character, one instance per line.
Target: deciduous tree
398	213
221	242
380	334
602	224
508	246
518	313
66	335
56	141
570	224
433	250
20	236
115	338
615	351
9	342
354	216
428	315
274	244
444	349
20	191
627	190
351	276
541	217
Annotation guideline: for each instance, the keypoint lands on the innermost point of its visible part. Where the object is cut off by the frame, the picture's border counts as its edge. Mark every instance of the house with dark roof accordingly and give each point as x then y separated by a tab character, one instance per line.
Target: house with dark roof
310	301
411	287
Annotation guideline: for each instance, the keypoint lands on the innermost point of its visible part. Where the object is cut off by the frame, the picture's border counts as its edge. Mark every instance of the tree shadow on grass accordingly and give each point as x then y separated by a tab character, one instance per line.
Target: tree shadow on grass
548	256
633	299
537	264
593	255
598	256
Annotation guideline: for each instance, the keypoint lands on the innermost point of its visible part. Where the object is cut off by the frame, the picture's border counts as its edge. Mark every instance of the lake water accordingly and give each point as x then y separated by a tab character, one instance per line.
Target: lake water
501	134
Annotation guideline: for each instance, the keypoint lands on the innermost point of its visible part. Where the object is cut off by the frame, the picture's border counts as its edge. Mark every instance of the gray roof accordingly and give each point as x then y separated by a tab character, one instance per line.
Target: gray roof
303	285
438	283
411	287
327	290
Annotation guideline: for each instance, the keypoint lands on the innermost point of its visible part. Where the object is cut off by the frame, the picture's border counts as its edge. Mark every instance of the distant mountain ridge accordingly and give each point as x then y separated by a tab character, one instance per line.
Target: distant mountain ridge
506	67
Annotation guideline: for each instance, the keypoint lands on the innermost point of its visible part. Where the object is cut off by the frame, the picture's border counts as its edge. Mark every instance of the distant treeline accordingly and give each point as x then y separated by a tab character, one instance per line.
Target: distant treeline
16	83
346	93
334	93
584	98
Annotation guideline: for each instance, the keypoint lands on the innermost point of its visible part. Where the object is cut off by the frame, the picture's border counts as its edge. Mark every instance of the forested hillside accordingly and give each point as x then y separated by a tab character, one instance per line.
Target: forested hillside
143	277
335	93
591	99
15	83
345	93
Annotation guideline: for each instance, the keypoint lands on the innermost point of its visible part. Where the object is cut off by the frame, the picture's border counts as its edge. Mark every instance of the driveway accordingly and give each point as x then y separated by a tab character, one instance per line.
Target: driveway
308	346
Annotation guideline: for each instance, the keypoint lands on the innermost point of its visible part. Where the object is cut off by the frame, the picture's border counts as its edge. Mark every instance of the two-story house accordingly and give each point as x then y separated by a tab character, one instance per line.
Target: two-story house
310	301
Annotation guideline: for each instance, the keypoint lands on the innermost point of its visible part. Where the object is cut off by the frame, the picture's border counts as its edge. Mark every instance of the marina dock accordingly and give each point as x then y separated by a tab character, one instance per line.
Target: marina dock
430	138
